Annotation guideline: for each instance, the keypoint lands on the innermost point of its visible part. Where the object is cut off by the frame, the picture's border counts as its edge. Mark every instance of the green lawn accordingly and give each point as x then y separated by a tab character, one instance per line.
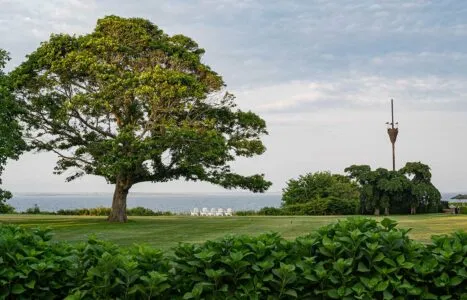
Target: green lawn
166	232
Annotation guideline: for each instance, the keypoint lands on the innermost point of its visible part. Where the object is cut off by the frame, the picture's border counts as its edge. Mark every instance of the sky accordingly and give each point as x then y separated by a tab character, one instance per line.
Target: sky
321	73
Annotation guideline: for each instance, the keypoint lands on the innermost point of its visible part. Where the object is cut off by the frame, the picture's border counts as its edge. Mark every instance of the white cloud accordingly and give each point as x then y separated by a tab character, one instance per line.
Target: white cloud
353	91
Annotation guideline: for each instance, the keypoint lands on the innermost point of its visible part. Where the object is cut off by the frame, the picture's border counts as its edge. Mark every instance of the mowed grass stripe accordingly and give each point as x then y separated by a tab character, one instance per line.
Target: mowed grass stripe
165	232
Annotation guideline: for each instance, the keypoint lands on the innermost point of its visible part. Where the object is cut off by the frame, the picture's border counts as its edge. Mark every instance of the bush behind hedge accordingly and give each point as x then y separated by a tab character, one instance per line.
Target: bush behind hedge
315	207
96	211
356	258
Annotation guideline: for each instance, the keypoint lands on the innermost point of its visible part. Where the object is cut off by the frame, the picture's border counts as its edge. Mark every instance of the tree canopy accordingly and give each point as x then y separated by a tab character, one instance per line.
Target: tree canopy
319	185
423	193
11	142
409	188
132	104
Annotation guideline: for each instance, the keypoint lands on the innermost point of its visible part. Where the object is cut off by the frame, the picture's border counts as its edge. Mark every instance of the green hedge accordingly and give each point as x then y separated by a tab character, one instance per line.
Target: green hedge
105	211
324	206
6	208
96	211
246	213
461	205
352	259
315	207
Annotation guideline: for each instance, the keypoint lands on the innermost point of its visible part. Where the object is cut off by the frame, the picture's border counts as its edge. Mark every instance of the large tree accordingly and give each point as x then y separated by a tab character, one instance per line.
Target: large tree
133	104
423	193
378	187
396	191
11	142
367	179
393	185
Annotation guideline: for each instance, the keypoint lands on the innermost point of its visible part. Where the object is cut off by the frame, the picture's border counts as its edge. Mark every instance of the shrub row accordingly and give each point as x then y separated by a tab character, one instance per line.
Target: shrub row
315	207
105	211
461	205
324	206
97	211
353	259
6	208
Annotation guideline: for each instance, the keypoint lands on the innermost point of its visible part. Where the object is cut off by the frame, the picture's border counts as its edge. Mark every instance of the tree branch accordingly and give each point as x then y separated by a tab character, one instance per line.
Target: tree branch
60	154
97	129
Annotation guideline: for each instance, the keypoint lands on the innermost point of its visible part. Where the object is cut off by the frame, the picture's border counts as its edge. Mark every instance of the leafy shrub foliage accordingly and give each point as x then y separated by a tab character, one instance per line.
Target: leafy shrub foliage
461	206
443	205
142	211
320	193
97	211
324	206
6	208
35	210
33	267
337	206
353	259
319	185
246	213
317	207
271	211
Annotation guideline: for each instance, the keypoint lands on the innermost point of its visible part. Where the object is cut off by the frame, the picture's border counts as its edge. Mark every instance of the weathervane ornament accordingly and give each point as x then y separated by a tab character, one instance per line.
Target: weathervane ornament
393	130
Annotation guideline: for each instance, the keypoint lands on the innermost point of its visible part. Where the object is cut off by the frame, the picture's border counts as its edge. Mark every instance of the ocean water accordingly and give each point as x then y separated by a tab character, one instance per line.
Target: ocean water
162	202
178	203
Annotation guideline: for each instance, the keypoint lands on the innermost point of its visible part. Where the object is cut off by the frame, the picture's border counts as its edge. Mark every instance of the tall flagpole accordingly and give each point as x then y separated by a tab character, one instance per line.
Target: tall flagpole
393	130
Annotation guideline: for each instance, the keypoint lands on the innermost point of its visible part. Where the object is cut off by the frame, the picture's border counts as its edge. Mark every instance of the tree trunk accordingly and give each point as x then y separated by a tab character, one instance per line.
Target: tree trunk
376	211
118	212
386	211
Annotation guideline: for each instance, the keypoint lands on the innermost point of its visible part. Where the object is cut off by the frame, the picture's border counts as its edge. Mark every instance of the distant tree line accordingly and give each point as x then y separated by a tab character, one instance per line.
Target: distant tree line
362	191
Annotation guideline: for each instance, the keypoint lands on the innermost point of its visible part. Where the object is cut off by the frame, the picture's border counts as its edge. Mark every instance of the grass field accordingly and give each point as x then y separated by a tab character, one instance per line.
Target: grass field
166	232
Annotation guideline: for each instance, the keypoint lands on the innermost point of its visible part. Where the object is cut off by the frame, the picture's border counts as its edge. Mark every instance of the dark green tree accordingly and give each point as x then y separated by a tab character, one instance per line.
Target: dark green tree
392	186
133	104
11	142
378	187
423	193
319	185
367	179
396	191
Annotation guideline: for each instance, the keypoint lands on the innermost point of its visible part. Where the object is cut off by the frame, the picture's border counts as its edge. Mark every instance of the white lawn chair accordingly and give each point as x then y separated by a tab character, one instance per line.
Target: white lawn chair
204	212
213	212
229	212
220	212
195	212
